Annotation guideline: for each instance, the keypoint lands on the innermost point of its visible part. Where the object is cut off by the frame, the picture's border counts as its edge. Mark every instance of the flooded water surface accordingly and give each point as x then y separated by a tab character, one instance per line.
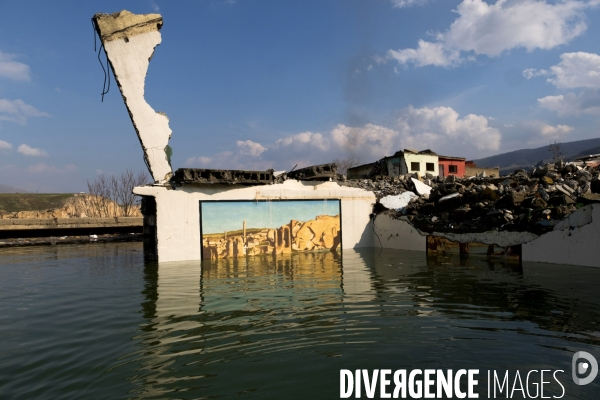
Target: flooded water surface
96	321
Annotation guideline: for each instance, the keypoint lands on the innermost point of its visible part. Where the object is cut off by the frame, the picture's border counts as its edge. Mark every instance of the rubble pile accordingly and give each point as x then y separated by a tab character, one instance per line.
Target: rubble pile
532	201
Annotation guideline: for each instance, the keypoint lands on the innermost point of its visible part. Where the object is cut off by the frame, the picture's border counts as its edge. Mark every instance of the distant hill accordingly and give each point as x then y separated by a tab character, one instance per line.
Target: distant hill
527	158
10	202
11	189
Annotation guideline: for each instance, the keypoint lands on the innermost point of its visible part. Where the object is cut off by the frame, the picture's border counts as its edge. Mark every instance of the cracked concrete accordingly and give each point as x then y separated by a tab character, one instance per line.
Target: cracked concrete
129	41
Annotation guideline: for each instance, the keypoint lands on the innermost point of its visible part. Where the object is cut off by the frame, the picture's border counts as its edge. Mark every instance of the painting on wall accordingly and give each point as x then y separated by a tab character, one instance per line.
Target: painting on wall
249	228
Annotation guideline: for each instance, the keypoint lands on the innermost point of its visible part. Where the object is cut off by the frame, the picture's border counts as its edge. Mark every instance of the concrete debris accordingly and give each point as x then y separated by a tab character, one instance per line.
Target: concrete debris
222	176
315	173
398	202
448	197
532	202
421	188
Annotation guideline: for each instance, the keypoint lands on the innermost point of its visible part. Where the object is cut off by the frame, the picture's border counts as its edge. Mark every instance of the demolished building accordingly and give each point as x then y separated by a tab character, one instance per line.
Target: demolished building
206	213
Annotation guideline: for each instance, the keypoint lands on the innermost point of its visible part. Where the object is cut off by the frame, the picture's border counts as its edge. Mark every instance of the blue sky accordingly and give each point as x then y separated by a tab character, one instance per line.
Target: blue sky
271	84
222	216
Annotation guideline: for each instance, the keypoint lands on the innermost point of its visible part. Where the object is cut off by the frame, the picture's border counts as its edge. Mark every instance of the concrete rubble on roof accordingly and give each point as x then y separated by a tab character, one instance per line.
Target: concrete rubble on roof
222	176
129	41
529	202
315	172
398	202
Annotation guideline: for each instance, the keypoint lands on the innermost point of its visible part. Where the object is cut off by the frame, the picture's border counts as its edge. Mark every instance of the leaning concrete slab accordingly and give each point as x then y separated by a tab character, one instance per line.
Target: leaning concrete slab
129	41
321	172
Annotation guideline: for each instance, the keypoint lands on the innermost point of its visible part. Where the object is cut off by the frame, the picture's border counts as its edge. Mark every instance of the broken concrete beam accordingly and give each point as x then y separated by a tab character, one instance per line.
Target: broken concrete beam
315	172
223	176
421	188
398	202
129	41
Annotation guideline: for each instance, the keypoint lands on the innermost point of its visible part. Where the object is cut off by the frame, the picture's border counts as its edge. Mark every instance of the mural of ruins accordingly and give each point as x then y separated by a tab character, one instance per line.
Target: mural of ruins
248	228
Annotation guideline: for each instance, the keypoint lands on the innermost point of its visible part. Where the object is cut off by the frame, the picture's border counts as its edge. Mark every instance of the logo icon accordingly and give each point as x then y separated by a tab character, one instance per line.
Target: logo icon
580	367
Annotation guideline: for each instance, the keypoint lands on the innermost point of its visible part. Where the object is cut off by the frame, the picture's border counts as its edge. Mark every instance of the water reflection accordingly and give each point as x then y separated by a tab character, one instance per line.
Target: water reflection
103	323
264	325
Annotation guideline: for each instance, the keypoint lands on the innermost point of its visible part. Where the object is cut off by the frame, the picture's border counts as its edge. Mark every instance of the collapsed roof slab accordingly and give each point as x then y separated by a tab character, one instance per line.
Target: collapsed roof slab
315	172
129	41
222	176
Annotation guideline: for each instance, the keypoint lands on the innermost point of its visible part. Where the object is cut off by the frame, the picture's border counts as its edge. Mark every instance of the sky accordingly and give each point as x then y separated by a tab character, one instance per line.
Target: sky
258	84
221	216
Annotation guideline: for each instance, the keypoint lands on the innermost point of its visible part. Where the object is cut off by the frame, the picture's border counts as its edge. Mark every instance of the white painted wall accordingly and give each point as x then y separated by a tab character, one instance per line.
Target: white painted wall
422	159
397	234
576	241
178	214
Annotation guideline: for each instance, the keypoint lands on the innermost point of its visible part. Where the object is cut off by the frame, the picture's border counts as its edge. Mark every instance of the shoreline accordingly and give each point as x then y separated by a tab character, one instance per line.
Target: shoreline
62	240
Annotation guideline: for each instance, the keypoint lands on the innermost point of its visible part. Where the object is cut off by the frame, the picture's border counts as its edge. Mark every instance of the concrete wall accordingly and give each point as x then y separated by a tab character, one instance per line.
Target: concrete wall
575	241
460	167
178	215
360	172
473	171
397	234
422	159
394	165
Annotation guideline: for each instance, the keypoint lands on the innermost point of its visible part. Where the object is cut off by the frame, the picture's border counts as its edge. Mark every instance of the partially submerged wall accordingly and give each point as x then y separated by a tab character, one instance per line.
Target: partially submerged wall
575	240
178	212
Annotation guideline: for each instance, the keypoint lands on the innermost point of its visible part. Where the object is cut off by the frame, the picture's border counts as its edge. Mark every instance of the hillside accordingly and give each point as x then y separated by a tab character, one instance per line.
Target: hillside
527	158
61	205
11	189
10	202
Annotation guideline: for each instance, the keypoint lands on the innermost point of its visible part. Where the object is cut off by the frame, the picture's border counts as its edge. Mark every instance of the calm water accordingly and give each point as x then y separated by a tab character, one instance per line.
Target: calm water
95	321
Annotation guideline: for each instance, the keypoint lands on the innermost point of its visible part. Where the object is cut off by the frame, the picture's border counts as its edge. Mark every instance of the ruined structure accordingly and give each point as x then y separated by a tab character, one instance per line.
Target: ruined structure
552	213
129	41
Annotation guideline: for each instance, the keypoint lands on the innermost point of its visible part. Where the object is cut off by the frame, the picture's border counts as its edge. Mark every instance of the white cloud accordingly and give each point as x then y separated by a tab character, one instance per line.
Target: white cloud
368	142
154	6
427	53
407	3
38	169
303	139
18	111
534	133
441	130
546	131
32	152
532	73
42	168
248	147
576	70
491	29
9	68
586	102
5	145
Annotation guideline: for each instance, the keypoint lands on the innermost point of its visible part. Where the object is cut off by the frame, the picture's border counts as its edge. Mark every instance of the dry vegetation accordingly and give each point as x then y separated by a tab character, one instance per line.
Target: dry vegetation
109	196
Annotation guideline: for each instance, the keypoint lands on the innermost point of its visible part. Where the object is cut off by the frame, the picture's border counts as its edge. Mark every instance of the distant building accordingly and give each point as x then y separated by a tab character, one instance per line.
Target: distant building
472	170
451	166
592	160
403	162
360	171
409	161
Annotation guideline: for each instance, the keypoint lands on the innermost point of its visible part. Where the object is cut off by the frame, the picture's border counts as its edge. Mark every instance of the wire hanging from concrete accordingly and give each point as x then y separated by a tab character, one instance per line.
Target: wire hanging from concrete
106	70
